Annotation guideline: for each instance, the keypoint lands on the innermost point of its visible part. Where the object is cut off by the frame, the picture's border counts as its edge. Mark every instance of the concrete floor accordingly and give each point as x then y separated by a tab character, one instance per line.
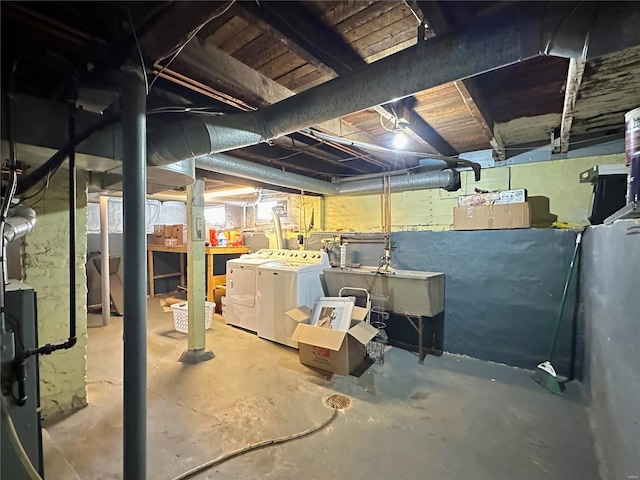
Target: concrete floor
451	418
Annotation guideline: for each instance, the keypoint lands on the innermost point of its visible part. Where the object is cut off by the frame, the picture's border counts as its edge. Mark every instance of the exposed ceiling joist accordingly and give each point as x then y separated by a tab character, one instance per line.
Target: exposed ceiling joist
574	79
302	42
437	20
174	26
300	30
200	66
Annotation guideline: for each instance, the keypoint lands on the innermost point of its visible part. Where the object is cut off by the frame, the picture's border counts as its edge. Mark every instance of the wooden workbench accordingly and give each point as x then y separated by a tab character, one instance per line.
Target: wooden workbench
210	252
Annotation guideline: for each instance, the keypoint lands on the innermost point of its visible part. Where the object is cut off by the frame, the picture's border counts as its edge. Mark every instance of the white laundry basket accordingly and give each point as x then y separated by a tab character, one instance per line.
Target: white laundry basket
181	315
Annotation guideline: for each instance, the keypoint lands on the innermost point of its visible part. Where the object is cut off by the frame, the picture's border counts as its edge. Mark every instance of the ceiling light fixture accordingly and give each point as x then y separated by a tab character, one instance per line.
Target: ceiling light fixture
400	138
230	193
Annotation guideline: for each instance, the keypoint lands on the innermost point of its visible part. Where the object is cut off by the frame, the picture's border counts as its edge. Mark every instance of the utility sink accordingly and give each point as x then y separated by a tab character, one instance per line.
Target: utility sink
407	292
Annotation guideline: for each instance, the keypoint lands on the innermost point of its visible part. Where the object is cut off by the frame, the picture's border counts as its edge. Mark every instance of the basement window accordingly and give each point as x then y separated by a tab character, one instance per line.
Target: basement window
216	215
263	212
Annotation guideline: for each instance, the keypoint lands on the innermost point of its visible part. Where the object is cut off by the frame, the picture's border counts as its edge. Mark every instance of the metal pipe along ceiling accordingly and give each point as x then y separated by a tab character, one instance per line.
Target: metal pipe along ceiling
227	165
504	36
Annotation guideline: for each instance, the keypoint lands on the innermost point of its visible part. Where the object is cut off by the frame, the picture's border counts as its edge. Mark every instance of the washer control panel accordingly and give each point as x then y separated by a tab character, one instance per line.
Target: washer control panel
294	256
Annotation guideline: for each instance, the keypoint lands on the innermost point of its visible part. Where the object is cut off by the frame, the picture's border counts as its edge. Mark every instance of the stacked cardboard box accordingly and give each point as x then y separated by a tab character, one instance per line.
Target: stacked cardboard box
169	235
502	210
492	217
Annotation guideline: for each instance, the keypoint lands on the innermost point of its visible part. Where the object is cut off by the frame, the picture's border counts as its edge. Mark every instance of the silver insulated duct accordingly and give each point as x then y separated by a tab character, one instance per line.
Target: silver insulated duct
504	36
227	165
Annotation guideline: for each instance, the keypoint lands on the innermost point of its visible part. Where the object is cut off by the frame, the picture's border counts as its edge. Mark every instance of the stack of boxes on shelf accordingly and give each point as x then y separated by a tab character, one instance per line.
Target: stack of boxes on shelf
169	235
505	209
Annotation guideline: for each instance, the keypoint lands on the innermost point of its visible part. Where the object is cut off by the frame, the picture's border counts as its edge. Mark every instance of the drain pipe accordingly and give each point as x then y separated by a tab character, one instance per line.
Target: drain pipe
278	227
104	260
134	176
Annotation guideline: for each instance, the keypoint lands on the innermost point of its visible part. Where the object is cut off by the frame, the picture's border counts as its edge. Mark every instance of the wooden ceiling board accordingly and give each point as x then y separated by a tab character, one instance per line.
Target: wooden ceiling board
297	73
610	87
391	50
259	51
307	81
440	102
526	89
227	31
334	12
372	20
396	34
281	65
234	44
444	109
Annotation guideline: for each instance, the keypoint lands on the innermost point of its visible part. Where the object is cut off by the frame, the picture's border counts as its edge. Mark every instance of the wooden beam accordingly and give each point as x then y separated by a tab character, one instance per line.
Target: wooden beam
418	128
200	66
268	19
574	79
299	29
175	25
439	23
475	112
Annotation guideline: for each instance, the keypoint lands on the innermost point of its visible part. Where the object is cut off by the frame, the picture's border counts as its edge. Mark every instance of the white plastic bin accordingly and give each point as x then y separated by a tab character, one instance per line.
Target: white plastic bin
181	315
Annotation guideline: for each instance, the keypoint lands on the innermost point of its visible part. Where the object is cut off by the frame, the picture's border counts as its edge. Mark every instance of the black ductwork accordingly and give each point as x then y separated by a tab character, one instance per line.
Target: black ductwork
507	35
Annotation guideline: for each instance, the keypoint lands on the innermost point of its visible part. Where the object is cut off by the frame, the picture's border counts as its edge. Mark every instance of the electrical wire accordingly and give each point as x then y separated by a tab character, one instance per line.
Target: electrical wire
17	444
44	189
186	42
198	110
391	120
53	164
256	446
135	37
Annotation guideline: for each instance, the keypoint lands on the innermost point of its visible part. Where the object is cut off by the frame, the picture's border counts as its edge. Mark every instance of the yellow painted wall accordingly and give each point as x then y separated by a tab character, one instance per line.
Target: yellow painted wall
433	209
63	374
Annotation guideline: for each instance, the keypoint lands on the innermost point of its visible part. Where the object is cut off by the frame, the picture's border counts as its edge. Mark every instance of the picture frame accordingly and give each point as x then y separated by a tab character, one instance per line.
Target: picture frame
333	312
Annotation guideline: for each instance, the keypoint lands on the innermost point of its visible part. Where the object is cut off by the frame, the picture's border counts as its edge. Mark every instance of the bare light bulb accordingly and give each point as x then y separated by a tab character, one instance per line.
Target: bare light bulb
400	140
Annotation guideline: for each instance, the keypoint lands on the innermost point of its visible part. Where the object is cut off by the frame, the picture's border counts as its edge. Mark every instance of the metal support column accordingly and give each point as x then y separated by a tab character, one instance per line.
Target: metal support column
134	177
104	267
196	276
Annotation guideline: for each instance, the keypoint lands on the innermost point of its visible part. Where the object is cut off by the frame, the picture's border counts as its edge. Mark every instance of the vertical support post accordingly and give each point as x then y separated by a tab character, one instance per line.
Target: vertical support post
420	346
104	267
196	279
134	175
322	213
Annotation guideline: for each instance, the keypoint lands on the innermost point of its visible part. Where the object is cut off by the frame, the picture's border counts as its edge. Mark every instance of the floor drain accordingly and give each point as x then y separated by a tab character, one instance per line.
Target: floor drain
338	402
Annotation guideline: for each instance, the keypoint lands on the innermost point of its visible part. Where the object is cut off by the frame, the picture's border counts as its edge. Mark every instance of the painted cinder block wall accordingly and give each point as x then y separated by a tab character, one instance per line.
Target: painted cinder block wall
433	209
63	374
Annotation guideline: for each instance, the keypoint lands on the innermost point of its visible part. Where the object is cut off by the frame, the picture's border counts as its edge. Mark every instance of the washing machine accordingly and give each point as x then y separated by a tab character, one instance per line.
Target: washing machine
285	284
241	308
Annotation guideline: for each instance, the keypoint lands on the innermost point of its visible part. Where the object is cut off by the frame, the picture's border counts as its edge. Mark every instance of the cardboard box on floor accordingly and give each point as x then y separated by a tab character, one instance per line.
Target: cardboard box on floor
332	350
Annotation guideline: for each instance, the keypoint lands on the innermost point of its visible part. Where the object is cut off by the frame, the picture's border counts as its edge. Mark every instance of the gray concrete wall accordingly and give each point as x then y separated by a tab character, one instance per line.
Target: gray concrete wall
503	290
611	296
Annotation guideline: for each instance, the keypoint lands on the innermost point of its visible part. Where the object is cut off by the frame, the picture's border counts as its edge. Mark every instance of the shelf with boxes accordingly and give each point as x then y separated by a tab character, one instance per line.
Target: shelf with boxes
505	209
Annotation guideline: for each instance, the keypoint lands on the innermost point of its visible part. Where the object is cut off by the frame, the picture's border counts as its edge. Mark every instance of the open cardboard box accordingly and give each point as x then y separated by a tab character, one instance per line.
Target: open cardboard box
335	351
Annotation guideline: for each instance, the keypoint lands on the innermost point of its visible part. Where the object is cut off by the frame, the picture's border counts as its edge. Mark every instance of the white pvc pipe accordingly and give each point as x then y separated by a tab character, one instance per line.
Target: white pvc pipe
104	248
